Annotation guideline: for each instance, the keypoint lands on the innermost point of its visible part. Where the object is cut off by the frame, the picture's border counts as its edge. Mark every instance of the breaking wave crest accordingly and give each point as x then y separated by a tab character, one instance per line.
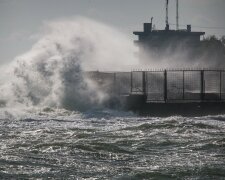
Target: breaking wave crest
52	72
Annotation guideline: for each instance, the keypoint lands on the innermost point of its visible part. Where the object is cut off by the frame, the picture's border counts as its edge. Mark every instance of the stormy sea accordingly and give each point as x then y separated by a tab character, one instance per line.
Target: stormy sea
106	144
54	125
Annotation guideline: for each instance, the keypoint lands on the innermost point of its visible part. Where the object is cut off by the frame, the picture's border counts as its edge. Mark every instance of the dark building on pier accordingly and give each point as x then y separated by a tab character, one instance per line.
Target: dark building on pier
160	43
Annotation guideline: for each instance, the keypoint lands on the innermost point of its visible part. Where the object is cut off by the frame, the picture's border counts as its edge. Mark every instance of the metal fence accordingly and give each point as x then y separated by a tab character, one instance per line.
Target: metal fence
166	85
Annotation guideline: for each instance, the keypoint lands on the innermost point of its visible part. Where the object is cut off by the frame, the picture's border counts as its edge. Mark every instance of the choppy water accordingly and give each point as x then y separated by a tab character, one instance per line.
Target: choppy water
58	144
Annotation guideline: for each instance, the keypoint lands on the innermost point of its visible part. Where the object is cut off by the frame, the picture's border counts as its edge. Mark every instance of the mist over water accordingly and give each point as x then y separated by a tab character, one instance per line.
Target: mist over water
51	73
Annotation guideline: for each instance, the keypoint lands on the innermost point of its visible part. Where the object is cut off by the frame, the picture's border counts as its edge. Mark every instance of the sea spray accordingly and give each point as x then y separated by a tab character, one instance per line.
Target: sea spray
52	72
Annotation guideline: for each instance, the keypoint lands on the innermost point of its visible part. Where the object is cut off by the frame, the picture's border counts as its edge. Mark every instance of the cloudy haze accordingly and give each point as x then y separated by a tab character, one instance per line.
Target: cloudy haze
21	20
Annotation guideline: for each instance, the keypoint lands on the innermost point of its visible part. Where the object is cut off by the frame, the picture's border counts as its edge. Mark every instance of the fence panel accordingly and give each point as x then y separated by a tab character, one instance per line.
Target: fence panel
137	82
123	83
175	85
104	80
192	85
155	86
211	85
107	82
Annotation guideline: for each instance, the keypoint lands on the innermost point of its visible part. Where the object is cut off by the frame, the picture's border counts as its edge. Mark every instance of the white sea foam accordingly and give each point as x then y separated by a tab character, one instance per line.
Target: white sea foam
51	73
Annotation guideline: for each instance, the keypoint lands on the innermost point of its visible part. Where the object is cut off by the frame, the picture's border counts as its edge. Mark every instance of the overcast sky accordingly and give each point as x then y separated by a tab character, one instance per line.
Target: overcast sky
21	19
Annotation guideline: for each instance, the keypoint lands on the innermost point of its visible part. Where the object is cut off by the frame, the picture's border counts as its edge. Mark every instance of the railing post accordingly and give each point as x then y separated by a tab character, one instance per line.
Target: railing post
114	83
220	85
131	82
165	86
183	85
202	86
144	82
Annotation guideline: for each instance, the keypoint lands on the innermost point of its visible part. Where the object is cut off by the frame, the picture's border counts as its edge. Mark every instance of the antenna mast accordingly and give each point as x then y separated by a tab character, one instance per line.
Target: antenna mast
167	16
177	18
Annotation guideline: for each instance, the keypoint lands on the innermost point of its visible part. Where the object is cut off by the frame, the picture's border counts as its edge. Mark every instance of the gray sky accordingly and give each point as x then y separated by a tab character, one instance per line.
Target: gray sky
20	19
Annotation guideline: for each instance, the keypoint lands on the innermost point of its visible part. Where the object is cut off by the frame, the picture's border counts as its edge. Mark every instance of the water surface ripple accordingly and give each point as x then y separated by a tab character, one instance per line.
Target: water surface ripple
111	145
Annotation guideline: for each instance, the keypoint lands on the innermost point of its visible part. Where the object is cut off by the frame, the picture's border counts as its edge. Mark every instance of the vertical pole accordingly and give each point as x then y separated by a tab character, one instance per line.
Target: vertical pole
177	18
165	86
114	83
144	82
202	86
183	84
167	13
220	85
131	82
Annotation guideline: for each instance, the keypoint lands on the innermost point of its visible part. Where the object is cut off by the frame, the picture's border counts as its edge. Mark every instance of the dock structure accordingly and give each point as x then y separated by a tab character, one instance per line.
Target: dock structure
164	88
167	91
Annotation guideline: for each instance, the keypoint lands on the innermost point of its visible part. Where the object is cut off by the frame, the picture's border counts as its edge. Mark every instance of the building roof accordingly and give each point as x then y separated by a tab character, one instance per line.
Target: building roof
169	32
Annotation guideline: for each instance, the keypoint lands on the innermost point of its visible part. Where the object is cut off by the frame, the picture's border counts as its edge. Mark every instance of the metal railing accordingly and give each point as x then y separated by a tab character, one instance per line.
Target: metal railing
166	85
